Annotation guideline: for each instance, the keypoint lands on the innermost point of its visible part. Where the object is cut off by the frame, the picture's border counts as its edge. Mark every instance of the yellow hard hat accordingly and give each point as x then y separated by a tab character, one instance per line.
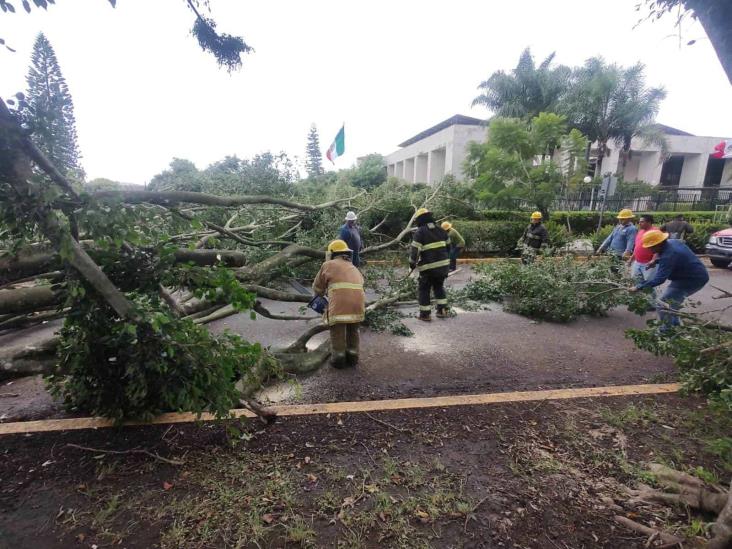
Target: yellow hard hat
446	225
338	246
421	212
625	213
536	215
653	238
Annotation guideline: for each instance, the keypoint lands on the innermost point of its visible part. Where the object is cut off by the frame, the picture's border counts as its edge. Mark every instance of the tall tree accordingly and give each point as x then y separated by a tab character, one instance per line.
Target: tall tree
48	110
313	156
527	91
609	103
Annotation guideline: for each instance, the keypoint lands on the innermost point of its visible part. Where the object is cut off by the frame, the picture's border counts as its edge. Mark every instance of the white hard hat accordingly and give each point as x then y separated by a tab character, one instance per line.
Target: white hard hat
351	216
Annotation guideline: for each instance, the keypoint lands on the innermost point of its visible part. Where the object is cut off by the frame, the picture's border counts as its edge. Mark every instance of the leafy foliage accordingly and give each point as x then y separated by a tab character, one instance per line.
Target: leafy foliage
558	290
702	354
504	168
370	172
527	91
607	102
227	49
124	371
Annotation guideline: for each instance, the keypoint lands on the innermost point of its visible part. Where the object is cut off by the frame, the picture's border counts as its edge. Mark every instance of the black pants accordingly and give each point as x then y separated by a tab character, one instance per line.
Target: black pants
434	282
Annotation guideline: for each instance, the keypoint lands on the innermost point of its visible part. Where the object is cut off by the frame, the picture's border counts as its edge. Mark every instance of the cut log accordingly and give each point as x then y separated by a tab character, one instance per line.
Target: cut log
26	360
27	300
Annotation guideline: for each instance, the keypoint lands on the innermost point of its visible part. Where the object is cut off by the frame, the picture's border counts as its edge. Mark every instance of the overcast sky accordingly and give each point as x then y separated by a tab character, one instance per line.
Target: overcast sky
144	92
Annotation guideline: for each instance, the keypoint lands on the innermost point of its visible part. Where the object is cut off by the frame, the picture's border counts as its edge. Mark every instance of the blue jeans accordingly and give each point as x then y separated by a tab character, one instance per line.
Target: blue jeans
673	298
454	253
640	273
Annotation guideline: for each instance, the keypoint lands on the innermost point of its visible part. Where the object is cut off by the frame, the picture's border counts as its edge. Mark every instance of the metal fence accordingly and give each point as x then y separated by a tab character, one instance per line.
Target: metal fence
660	199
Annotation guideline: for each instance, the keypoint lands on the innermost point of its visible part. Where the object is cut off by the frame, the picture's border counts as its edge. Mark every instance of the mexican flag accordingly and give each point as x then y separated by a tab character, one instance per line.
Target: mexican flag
338	147
723	149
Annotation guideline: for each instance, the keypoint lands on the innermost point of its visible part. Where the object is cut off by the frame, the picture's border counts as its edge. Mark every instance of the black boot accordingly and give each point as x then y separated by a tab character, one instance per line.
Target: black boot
442	312
425	316
351	358
338	360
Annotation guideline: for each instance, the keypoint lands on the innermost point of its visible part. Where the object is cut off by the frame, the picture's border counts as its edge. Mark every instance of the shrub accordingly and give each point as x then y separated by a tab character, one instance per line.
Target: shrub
701	234
491	237
598	237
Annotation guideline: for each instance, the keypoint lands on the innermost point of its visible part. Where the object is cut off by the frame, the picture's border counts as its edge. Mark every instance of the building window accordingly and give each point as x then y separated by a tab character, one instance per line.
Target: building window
671	171
713	175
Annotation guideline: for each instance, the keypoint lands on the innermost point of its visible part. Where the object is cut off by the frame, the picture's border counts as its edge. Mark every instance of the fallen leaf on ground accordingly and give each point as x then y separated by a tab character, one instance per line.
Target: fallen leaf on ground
268	518
167	485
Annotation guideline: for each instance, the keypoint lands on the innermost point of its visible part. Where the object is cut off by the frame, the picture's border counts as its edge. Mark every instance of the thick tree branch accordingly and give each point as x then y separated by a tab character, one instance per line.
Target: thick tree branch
171	198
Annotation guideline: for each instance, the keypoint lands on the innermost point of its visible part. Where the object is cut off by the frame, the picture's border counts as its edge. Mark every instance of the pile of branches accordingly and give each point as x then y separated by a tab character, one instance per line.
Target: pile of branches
136	274
701	349
556	289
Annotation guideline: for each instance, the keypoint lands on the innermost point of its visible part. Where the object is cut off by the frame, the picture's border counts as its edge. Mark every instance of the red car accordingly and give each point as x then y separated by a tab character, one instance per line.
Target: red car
719	248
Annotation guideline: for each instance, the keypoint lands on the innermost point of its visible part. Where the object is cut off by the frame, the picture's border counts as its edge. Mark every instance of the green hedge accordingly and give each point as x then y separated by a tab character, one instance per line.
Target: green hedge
586	222
500	237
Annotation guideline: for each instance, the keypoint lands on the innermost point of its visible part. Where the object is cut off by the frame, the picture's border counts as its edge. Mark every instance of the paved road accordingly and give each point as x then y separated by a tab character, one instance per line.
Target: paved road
475	351
480	351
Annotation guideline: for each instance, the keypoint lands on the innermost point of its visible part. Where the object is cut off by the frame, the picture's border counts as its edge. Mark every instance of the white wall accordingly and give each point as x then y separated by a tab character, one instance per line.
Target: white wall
444	152
435	156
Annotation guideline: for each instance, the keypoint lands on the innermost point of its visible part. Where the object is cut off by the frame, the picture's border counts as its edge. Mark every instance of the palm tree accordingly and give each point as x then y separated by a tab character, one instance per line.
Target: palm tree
607	103
638	116
525	92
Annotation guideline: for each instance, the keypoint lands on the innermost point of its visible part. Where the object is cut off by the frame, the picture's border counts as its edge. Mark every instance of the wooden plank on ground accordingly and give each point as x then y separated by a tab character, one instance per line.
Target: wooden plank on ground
353	407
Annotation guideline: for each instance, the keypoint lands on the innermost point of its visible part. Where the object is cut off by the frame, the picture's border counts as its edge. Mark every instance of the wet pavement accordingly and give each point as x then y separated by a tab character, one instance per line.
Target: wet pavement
483	351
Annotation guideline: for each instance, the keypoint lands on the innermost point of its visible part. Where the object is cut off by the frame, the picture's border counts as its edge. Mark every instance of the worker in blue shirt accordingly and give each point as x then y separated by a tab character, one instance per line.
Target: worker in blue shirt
677	263
621	241
351	235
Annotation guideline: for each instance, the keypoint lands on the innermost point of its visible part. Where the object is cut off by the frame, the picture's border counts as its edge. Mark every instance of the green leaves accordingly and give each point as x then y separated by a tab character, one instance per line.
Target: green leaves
702	354
558	290
125	371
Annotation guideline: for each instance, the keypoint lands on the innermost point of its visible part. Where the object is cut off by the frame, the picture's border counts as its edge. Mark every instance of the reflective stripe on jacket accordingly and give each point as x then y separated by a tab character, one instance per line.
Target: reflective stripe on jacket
343	283
430	247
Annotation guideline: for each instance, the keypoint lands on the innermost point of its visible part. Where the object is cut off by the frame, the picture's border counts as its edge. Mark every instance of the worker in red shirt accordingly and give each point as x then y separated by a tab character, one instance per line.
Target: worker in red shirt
642	266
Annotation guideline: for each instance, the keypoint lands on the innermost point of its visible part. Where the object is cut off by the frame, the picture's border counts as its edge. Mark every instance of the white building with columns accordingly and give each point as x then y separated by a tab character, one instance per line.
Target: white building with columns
687	163
440	150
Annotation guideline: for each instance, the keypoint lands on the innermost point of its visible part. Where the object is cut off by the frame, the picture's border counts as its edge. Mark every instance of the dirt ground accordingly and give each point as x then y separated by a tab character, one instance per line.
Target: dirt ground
540	475
482	351
549	475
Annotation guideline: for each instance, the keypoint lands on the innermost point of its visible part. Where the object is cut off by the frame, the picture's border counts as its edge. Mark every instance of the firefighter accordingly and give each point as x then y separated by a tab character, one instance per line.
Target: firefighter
457	243
343	284
429	255
535	236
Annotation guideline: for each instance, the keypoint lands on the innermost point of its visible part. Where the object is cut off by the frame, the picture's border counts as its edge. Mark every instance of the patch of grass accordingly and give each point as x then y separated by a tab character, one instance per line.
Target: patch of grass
632	414
722	448
707	476
696	528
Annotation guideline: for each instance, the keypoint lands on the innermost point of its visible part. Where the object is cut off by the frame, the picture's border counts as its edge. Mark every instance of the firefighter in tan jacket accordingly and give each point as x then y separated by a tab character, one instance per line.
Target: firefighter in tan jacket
343	284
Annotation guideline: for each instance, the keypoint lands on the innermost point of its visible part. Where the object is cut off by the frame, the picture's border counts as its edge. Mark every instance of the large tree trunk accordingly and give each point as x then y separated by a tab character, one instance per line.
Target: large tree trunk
716	18
27	300
48	220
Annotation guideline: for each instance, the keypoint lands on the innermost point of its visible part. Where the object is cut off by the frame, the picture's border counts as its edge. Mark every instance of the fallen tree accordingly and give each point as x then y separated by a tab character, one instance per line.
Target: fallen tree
137	274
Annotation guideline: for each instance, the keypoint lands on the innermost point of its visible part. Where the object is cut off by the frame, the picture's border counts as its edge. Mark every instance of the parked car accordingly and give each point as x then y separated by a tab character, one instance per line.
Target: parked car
719	248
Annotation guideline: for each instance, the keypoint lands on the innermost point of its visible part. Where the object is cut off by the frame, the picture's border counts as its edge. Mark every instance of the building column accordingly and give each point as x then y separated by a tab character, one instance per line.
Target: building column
421	162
